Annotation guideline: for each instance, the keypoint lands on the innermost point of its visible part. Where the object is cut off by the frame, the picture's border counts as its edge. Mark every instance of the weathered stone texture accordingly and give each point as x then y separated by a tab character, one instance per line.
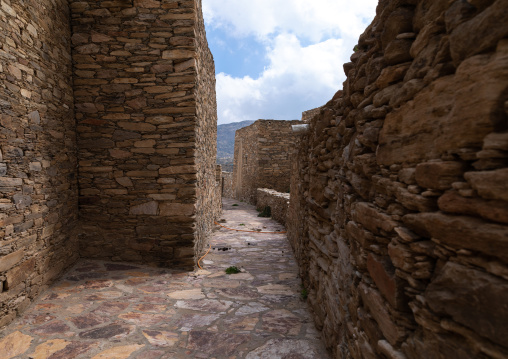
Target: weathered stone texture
132	108
146	118
227	185
398	213
308	115
38	177
245	163
209	196
277	201
262	158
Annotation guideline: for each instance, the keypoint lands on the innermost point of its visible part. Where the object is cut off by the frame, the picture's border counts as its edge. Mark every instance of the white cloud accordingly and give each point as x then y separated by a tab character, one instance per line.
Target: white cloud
313	20
298	77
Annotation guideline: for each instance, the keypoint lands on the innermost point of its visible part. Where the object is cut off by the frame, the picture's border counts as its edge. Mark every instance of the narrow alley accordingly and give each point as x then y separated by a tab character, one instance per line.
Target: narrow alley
111	310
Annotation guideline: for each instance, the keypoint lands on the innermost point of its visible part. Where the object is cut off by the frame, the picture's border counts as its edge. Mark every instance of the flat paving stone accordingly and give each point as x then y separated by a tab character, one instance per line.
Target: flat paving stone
103	310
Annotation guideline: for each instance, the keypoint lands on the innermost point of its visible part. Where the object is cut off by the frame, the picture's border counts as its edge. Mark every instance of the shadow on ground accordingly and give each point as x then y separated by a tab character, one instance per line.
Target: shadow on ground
114	310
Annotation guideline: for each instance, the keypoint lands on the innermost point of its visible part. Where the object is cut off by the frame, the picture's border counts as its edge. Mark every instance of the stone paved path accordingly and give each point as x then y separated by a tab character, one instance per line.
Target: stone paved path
105	310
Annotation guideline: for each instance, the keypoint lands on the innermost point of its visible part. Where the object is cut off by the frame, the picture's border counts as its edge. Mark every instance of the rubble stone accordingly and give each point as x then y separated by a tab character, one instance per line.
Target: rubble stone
398	207
38	162
91	96
122	121
262	158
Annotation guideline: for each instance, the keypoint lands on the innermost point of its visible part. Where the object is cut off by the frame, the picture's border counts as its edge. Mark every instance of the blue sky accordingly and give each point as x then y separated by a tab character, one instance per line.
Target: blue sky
278	58
236	56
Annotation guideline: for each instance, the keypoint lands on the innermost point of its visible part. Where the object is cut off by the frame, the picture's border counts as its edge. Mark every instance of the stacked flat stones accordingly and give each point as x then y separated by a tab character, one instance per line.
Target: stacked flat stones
399	213
146	113
262	158
38	162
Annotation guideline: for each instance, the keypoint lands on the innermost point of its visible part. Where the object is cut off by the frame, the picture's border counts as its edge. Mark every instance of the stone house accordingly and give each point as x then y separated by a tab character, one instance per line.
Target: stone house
261	158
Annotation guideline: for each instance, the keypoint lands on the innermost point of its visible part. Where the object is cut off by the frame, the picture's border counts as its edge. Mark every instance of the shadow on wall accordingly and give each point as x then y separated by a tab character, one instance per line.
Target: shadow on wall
145	123
262	158
398	212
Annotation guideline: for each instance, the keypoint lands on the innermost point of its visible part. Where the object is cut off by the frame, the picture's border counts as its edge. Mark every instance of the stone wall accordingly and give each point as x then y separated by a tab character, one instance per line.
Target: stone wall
307	115
245	163
399	213
227	185
262	158
38	177
216	207
209	200
278	203
145	107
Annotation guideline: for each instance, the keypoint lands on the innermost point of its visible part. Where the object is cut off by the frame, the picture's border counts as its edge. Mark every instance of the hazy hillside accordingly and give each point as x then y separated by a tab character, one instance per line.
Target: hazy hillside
226	139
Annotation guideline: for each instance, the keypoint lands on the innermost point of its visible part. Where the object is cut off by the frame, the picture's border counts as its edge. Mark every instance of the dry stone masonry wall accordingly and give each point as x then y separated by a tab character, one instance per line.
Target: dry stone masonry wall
131	109
399	206
38	176
308	115
146	113
209	197
262	158
227	185
277	201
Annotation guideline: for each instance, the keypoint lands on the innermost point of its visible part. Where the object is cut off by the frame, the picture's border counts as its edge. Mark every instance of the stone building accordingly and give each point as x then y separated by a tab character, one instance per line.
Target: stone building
399	194
399	209
307	115
227	185
116	98
262	158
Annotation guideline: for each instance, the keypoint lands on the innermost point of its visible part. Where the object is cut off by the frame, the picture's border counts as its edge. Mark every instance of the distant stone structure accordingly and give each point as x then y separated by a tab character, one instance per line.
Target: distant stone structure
38	157
118	96
277	201
227	185
228	166
398	210
216	201
262	158
399	194
308	115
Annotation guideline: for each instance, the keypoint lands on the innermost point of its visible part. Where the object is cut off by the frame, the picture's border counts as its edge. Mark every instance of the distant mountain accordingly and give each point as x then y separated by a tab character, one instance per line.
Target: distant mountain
226	139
